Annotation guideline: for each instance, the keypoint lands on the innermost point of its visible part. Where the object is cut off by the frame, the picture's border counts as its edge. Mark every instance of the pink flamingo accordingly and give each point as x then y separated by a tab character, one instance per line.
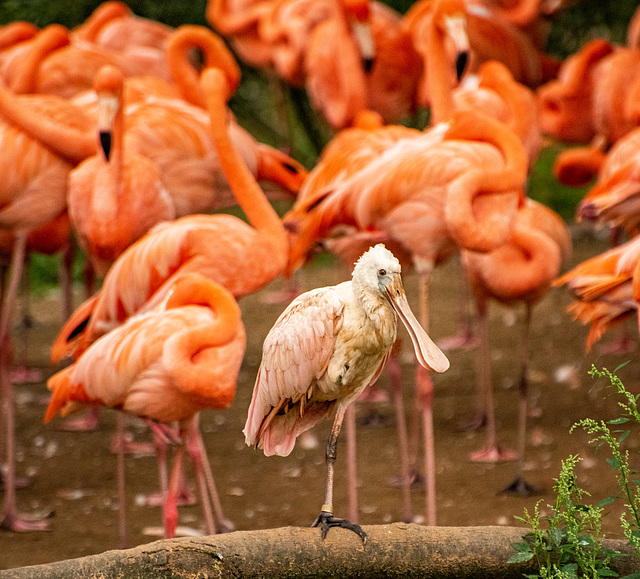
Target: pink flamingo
164	366
520	271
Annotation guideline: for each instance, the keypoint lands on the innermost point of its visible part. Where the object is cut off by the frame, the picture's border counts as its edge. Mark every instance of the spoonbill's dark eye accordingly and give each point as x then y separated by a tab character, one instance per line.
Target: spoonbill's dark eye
382	272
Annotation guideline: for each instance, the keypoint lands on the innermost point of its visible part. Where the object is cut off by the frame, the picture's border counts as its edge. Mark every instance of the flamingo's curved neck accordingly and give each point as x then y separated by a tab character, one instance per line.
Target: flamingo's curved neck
244	186
195	289
439	80
472	126
105	13
541	264
47	41
67	142
215	53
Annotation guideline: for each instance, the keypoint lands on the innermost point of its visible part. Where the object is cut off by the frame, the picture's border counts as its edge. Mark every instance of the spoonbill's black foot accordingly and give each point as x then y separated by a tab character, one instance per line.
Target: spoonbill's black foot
521	488
326	520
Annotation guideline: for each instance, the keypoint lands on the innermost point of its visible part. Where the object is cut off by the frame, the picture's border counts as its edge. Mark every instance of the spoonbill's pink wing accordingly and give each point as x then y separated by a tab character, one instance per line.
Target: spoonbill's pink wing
295	354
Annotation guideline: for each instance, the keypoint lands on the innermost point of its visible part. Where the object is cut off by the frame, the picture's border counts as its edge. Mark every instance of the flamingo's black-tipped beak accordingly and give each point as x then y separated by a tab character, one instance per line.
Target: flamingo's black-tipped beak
366	44
105	143
461	63
456	30
367	64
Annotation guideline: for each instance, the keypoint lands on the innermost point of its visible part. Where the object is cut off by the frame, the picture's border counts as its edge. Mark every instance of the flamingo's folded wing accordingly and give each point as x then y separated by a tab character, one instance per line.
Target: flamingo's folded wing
296	353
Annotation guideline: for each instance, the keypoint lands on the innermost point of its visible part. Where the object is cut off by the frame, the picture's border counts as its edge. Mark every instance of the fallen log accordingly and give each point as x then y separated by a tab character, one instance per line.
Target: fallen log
392	551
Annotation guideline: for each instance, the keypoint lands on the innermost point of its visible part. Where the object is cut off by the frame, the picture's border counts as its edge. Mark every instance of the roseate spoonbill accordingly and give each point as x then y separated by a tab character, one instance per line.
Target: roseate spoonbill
323	351
165	365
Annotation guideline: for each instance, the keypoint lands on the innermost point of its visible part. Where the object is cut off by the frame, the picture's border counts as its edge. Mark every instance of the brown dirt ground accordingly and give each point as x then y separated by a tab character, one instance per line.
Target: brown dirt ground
73	474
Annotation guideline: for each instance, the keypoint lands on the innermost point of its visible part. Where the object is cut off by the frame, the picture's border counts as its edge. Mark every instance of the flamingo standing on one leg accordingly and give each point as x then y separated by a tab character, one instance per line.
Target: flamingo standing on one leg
42	138
519	271
165	365
323	351
348	244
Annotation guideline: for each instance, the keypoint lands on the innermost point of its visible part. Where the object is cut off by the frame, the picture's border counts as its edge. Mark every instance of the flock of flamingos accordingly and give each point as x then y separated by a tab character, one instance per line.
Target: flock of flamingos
114	136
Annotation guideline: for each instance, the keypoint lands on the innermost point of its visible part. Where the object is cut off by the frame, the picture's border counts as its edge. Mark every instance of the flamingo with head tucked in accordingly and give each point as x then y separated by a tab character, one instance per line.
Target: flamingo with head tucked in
520	271
164	366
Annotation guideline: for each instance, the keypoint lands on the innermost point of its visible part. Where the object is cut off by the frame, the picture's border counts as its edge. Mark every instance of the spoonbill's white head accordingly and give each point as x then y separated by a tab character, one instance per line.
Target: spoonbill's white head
378	272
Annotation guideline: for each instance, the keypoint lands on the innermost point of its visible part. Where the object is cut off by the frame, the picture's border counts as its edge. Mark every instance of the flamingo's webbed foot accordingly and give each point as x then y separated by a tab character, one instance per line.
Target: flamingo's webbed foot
326	520
24	523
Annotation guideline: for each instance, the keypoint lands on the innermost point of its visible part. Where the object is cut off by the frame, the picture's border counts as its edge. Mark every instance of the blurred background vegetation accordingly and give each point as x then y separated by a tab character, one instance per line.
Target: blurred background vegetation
254	103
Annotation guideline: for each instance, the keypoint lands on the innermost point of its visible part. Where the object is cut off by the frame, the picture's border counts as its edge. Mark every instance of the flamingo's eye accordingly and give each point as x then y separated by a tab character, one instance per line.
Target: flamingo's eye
382	272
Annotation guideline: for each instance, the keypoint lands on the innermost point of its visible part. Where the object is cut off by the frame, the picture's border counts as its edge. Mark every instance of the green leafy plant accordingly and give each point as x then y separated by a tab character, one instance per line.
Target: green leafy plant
619	460
573	544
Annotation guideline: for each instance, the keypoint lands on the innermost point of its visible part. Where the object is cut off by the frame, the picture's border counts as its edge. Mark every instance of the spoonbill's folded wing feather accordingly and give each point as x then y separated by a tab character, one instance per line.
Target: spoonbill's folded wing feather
296	353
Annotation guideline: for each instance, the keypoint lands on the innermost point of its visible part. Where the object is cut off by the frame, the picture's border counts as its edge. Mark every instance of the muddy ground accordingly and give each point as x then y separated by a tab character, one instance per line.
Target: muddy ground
73	474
